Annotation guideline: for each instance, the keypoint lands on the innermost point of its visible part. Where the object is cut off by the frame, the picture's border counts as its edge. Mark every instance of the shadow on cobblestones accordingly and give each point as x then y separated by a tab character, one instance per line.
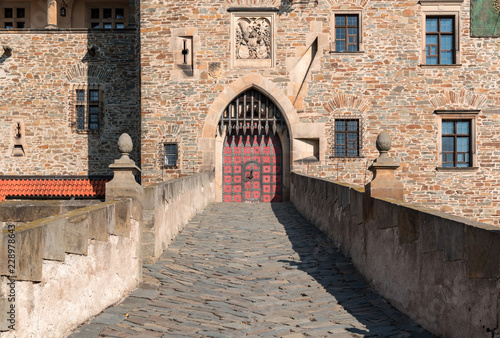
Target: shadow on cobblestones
326	264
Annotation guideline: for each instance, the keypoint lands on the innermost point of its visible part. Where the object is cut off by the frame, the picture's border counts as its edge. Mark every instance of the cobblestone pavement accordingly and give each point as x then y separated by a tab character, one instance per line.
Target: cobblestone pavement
251	270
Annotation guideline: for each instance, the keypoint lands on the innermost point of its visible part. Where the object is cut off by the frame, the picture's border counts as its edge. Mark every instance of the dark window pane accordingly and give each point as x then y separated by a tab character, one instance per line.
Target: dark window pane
448	127
340	125
20	13
119	13
352	48
340	33
94	25
94	13
463	144
340	138
120	25
340	20
108	25
447	25
352	21
448	143
431	25
340	46
106	13
20	25
94	95
80	95
94	110
463	127
8	25
170	158
8	13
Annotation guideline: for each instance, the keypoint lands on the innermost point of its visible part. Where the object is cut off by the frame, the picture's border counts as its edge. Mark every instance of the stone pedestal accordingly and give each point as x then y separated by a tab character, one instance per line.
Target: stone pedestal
384	183
123	185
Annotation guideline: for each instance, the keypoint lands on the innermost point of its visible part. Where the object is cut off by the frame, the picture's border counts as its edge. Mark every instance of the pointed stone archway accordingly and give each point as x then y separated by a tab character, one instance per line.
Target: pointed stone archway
211	142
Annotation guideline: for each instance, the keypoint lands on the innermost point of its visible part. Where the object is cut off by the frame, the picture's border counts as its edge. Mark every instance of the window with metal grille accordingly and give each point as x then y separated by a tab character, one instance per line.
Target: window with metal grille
346	32
347	138
171	151
13	17
440	40
456	143
108	17
87	105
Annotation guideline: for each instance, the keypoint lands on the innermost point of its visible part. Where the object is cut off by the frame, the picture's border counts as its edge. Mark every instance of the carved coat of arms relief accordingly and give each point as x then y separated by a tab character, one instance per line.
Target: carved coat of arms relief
253	38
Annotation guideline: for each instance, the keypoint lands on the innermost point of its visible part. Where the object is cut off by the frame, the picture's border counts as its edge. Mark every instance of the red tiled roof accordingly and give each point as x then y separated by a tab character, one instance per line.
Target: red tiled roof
52	187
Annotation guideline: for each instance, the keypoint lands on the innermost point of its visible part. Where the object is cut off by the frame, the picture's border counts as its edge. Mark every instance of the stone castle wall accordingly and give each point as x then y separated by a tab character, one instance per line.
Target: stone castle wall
385	86
36	84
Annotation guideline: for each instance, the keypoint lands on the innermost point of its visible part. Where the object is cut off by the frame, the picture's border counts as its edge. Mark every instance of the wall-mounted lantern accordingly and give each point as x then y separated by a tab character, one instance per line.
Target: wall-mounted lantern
92	49
64	5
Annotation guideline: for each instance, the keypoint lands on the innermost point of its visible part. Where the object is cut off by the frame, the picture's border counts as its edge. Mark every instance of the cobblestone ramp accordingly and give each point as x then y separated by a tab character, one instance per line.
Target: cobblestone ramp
251	270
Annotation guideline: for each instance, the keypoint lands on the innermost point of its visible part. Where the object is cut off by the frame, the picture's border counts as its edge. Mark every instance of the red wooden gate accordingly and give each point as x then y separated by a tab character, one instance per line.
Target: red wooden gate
252	168
252	159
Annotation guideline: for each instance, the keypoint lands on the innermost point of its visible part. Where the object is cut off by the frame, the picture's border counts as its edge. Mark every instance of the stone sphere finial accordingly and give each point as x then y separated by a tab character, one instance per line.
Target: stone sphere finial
383	144
125	144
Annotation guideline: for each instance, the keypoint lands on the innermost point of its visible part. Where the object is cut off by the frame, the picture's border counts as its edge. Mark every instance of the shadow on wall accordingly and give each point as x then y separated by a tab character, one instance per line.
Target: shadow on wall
111	97
324	262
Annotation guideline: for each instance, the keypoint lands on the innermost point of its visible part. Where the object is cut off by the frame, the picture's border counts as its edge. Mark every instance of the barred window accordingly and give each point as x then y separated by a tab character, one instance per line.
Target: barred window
347	138
171	151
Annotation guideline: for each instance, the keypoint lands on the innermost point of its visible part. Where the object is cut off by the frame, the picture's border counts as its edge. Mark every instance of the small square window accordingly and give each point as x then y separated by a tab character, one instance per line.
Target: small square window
119	13
106	13
8	13
20	13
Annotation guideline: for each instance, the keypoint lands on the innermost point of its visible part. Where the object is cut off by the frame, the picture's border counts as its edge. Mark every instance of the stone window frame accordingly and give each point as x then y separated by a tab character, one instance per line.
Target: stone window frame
455	115
267	13
359	13
361	135
447	8
101	6
15	5
161	157
87	103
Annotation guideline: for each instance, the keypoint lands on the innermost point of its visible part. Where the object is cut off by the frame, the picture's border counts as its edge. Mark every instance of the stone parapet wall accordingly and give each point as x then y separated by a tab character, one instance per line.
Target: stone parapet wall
64	262
441	270
169	206
36	83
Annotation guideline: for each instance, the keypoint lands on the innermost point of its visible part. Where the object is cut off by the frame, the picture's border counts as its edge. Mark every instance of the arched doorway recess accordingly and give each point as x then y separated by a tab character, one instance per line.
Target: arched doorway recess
252	160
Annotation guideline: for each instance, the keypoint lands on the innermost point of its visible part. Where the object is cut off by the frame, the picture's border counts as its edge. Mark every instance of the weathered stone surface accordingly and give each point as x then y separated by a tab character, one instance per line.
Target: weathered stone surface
98	224
77	233
55	240
122	219
483	253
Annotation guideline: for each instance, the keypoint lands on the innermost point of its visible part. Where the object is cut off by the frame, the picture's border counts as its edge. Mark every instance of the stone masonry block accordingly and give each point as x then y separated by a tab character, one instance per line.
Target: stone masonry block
77	234
28	253
428	238
150	196
408	223
385	214
55	240
122	219
98	224
451	238
483	253
27	212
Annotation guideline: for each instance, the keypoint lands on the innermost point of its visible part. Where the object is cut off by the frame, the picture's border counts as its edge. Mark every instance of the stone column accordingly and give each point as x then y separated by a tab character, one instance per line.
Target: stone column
51	14
384	183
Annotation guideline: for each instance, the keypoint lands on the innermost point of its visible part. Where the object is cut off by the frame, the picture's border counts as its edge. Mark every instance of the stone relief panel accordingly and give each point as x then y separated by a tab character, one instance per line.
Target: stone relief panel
252	43
253	38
